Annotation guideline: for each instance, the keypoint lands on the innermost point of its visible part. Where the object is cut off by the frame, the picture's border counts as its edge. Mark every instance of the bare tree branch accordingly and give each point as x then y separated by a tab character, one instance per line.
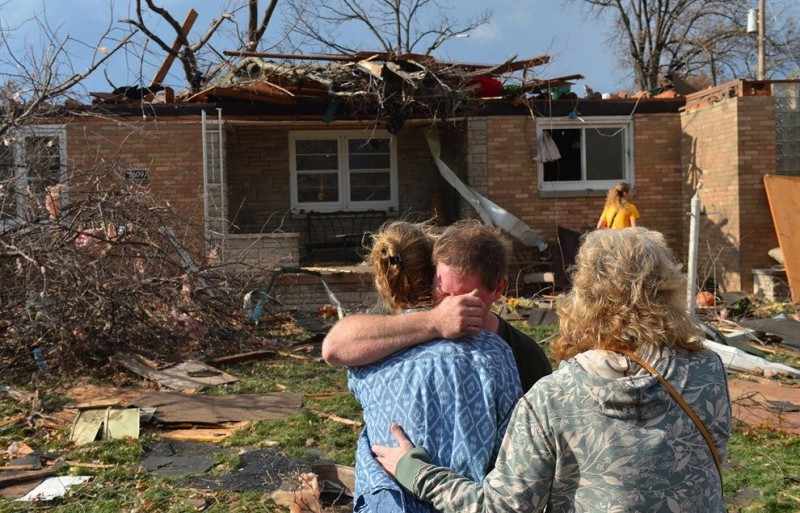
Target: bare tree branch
397	26
701	37
187	55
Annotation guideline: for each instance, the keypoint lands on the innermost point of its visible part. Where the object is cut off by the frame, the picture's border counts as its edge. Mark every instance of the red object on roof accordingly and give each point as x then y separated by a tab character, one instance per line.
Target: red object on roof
489	86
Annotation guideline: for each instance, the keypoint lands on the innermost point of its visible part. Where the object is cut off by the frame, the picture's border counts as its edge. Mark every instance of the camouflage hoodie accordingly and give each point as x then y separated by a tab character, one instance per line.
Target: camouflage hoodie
599	435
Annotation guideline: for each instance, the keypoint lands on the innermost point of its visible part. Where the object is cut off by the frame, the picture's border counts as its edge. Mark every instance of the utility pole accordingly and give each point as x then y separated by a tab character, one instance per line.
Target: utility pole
761	35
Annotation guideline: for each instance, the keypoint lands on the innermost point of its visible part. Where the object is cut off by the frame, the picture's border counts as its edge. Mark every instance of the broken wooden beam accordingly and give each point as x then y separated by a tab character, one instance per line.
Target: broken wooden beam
176	46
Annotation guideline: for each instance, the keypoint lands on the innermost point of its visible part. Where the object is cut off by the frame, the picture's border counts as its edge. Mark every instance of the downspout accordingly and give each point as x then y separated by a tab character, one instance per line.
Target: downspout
694	241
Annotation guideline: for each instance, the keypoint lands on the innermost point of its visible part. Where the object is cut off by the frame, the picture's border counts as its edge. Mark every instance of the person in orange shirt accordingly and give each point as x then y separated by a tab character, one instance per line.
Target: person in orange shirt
619	211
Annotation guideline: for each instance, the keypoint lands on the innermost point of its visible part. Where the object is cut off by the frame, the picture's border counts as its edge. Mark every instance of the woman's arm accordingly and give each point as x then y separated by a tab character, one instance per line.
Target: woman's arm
520	482
602	223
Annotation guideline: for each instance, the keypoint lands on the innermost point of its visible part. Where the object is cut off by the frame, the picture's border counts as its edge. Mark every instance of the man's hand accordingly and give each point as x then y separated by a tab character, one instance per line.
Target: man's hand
389	456
459	316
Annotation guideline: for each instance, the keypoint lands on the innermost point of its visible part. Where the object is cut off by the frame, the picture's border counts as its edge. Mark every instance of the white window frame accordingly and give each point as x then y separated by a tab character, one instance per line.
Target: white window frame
18	138
622	123
344	203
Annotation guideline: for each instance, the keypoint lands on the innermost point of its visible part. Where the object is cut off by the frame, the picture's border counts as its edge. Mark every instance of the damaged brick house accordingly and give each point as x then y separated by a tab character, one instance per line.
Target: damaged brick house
292	164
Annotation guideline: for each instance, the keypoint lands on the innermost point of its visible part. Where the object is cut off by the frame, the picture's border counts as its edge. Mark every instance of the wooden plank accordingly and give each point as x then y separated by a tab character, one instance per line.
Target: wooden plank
295	56
783	194
27	476
249	93
176	46
198	434
261	354
495	69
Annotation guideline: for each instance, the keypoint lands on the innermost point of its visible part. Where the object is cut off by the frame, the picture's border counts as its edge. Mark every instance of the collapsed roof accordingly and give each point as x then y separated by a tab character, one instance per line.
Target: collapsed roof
374	84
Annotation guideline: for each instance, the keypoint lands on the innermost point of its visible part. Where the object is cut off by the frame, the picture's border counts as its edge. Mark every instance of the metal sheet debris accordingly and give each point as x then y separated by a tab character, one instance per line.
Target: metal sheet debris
786	328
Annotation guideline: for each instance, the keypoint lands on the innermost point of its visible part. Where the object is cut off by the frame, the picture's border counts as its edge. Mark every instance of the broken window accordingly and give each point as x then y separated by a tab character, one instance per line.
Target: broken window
343	171
596	153
32	159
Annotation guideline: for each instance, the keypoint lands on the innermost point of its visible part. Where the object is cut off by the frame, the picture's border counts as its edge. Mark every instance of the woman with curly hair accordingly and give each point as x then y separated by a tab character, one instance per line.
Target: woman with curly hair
619	211
453	396
604	432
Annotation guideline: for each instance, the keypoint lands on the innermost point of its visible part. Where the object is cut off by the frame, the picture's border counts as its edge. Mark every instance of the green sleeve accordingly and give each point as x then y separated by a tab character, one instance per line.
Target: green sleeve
409	466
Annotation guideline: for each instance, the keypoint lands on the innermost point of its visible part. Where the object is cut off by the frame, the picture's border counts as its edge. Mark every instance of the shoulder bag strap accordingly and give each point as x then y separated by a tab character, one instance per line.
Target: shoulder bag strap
688	409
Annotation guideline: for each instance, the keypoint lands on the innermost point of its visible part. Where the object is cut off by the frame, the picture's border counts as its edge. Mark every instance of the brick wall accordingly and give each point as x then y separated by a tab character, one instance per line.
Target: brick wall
258	179
511	176
659	177
170	151
728	146
757	145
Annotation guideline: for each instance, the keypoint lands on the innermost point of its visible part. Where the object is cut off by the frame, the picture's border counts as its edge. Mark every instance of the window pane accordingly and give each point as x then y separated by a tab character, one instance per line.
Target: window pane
605	154
317	187
315	146
568	167
315	155
316	162
369	153
370	186
42	162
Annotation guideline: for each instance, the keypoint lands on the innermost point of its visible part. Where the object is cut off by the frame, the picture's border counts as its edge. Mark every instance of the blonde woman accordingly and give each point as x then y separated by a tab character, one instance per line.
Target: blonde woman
602	433
453	396
619	211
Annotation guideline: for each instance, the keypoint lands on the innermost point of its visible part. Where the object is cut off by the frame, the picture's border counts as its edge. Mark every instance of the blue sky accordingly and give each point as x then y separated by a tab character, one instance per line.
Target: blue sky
575	41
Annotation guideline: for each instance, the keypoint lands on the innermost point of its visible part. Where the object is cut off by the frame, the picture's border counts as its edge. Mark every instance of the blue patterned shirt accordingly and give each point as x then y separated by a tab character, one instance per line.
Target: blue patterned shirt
454	397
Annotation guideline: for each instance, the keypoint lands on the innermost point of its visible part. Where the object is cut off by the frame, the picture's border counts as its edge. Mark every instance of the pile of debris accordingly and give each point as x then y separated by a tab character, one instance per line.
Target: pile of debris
366	84
116	271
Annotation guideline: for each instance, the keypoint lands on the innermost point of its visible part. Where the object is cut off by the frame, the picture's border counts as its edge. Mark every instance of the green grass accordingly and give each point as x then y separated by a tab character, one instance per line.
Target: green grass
767	462
758	459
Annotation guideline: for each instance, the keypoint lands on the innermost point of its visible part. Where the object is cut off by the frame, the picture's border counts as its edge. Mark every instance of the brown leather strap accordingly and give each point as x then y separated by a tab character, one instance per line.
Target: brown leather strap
688	409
